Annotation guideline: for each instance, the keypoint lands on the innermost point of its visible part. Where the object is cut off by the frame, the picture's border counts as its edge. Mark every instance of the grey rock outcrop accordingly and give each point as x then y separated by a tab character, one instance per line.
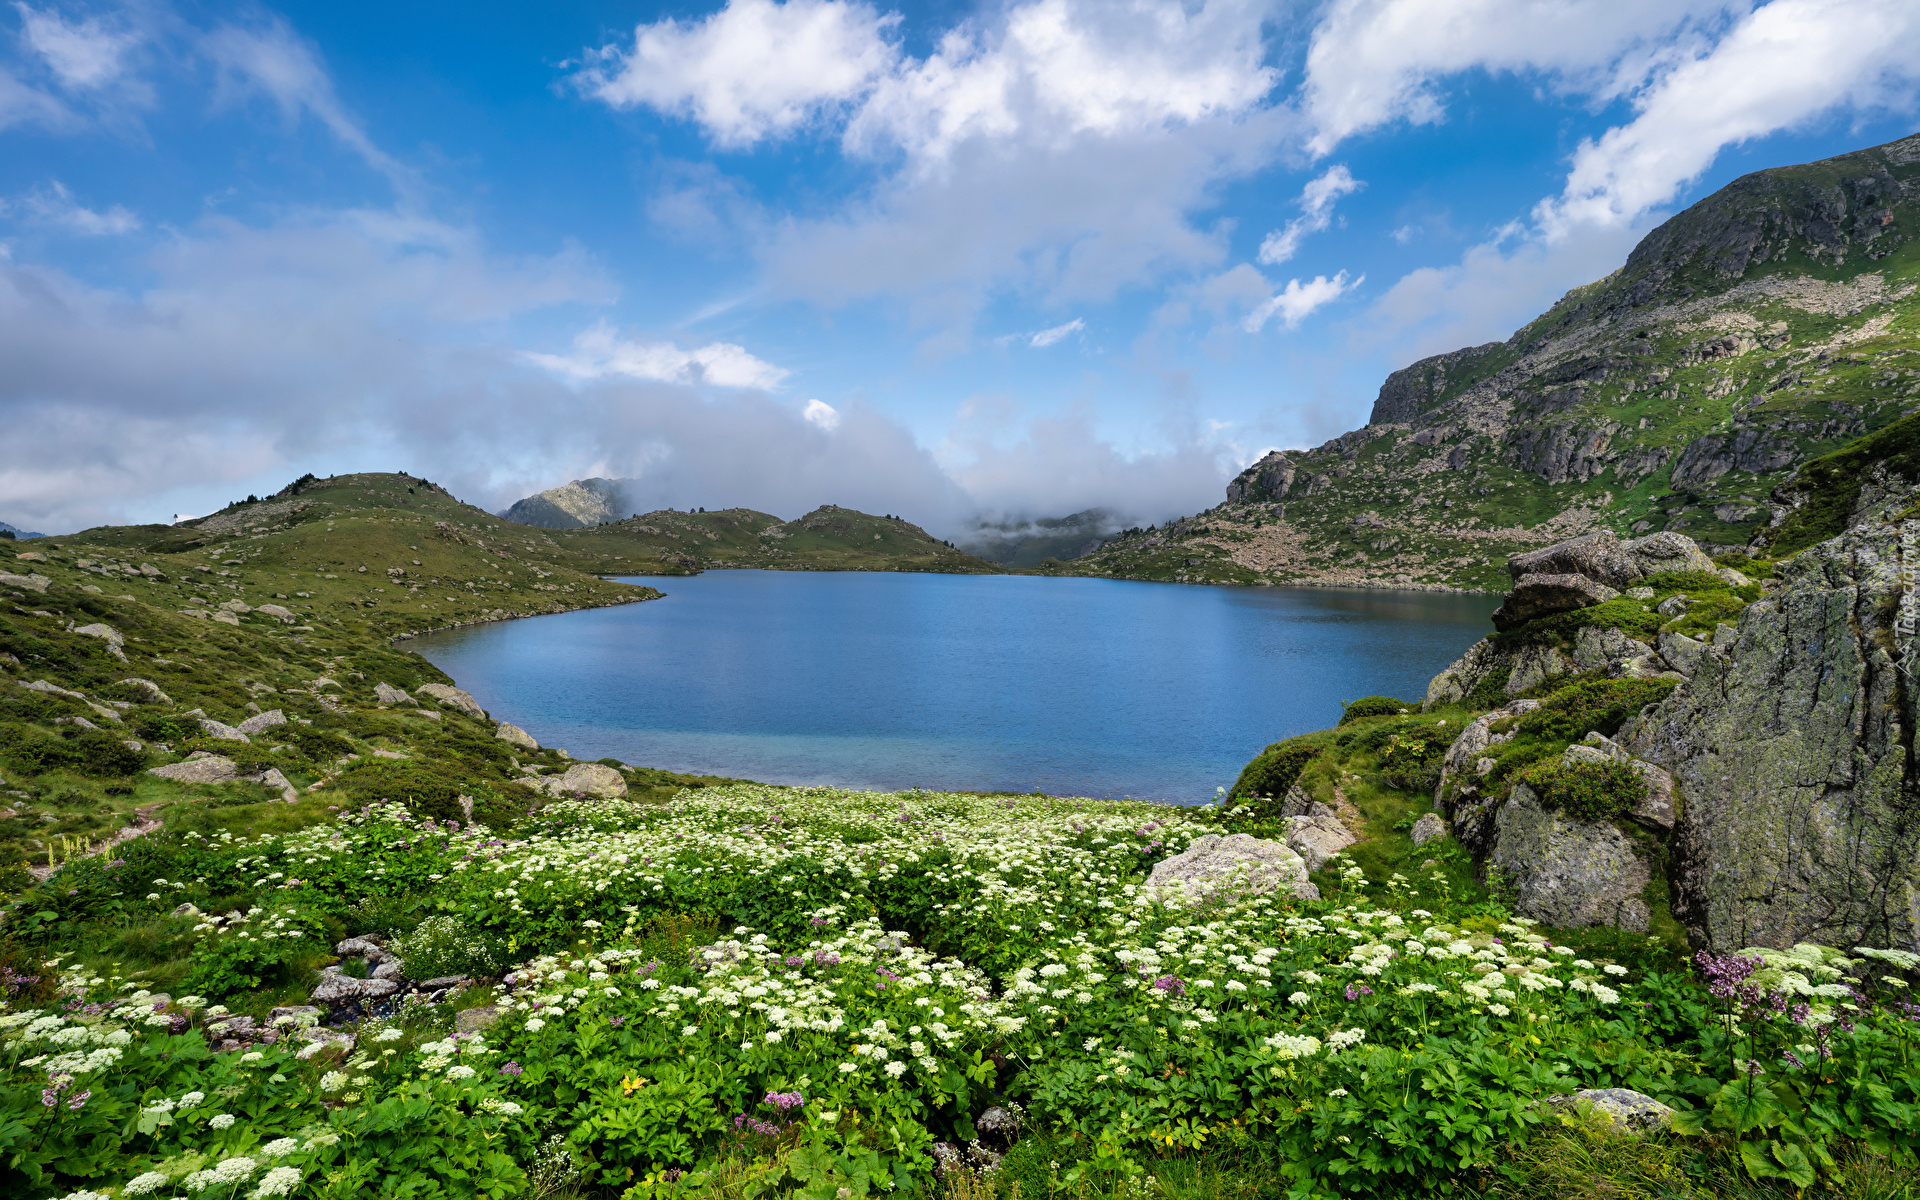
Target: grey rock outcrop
1604	558
1630	1111
1535	596
35	582
1791	745
337	990
1318	835
261	722
1568	872
386	693
516	735
108	634
1430	827
588	779
151	688
1267	479
222	731
453	697
1239	863
210	769
278	612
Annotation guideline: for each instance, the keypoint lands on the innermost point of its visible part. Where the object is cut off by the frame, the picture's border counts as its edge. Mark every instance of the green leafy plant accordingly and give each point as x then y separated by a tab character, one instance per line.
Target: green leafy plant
1591	791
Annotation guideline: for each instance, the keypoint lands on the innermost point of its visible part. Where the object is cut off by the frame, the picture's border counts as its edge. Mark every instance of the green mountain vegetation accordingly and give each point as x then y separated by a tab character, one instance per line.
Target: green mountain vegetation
386	947
829	538
1769	324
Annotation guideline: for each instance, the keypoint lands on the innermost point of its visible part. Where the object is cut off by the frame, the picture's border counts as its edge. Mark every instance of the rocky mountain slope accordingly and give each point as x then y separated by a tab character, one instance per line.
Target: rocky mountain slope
13	531
1768	324
576	505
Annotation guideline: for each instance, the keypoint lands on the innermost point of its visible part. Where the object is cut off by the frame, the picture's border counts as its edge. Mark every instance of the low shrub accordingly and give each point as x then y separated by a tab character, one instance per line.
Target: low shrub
446	945
1377	706
1592	791
385	916
1592	706
1273	771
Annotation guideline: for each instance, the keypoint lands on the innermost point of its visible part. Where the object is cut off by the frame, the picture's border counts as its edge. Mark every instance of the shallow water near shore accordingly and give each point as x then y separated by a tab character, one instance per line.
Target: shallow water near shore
1085	687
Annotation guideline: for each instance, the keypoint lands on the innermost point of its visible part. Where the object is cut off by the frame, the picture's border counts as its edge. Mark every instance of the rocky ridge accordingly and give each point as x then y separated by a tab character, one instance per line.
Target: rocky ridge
1767	324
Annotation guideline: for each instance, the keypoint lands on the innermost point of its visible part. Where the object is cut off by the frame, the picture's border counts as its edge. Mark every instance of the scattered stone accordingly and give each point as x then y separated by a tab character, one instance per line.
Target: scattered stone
1318	835
1535	596
1634	1112
1640	593
453	697
516	735
390	970
226	618
296	1010
230	1026
1239	862
1674	607
442	982
226	733
274	610
108	634
33	583
264	721
386	693
151	688
473	1020
1681	652
357	947
1428	828
337	990
235	606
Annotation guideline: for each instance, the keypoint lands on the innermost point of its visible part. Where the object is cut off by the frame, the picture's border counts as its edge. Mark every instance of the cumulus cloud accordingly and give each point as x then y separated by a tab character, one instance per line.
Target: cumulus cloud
822	414
1373	62
1316	213
1058	146
599	352
1721	76
1297	301
753	70
1779	68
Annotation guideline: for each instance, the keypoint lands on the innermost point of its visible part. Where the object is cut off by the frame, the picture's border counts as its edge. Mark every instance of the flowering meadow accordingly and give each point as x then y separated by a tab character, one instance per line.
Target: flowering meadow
771	991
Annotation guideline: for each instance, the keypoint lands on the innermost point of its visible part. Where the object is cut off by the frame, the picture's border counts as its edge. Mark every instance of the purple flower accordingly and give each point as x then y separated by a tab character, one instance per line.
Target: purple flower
1172	985
1357	990
513	1069
794	960
616	1021
78	1101
784	1101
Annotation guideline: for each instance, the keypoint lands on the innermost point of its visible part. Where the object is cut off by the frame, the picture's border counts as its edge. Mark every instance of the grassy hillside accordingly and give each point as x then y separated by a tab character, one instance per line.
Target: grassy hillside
827	539
1772	323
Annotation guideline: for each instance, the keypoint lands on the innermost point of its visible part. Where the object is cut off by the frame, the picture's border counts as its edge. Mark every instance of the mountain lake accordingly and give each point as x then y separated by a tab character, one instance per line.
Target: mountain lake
1080	687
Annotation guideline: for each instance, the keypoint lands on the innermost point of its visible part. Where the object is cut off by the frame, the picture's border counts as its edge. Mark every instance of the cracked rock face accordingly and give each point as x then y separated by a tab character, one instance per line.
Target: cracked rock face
1565	871
1536	596
1792	745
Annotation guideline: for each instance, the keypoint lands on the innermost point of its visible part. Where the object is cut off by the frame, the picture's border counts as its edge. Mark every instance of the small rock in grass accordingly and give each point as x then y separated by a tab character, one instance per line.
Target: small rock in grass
473	1020
262	722
516	735
1632	1111
1429	827
388	694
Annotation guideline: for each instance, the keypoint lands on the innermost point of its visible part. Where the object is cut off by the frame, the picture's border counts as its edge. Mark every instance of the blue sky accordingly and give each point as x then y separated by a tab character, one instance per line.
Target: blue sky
939	259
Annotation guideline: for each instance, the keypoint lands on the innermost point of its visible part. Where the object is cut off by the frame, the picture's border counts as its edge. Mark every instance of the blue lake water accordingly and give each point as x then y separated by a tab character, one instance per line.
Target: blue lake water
1084	687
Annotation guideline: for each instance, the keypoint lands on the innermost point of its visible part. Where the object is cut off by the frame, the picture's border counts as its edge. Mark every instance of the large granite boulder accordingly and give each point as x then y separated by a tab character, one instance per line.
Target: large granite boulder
1536	596
386	693
1791	745
203	768
514	735
261	722
586	779
1565	871
1604	558
1237	863
453	697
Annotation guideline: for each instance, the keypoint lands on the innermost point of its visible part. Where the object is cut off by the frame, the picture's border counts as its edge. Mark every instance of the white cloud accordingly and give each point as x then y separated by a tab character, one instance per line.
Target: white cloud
1373	62
753	70
276	62
599	353
1316	213
1056	146
21	104
1786	64
1047	337
55	205
82	55
1297	301
822	414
